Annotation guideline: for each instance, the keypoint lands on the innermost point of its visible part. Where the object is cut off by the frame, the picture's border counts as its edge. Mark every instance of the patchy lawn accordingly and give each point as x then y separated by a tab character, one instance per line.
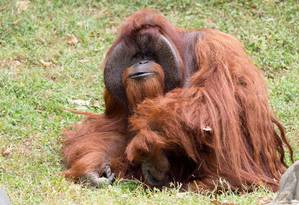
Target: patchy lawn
50	58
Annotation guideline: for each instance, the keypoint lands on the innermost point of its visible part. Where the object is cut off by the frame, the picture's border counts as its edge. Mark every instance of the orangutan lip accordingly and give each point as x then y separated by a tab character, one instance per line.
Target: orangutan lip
141	75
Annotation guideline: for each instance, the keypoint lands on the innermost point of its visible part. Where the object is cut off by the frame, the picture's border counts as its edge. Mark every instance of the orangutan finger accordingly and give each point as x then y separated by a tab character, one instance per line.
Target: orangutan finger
109	174
95	180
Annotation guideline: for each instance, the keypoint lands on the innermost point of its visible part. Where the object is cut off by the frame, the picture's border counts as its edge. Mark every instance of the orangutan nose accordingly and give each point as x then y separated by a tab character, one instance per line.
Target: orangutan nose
152	176
143	61
155	170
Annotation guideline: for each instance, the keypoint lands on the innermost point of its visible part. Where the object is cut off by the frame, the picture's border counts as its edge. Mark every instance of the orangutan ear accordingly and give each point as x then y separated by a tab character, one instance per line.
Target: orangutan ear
145	45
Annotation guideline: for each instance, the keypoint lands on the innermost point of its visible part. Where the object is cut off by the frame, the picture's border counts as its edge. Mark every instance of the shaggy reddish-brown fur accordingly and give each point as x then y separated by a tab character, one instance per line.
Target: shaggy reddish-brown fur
217	125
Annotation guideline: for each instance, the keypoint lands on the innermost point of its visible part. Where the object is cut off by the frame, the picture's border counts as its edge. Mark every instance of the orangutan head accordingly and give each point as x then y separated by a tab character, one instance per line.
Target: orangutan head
143	63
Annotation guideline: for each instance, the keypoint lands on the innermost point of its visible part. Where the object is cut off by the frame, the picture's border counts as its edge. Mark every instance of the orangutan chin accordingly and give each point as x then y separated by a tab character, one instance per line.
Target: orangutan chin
180	106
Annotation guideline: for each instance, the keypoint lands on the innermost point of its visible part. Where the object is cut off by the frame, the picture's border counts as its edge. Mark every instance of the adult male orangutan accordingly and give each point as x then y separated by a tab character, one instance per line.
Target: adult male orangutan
180	106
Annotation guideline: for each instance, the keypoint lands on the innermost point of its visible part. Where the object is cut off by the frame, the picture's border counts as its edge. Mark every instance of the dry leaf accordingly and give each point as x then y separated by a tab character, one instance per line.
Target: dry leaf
216	202
26	147
16	63
46	63
6	152
112	30
181	195
264	200
80	104
96	104
210	21
22	6
72	40
3	8
11	64
16	21
83	61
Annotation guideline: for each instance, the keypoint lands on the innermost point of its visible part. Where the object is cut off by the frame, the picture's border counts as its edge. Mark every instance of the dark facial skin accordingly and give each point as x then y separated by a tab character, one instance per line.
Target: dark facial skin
155	170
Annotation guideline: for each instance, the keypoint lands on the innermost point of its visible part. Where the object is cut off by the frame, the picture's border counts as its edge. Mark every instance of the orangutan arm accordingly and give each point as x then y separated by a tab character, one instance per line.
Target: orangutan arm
92	147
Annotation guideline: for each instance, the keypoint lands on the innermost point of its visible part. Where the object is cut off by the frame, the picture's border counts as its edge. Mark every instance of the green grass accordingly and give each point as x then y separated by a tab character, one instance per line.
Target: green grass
40	75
